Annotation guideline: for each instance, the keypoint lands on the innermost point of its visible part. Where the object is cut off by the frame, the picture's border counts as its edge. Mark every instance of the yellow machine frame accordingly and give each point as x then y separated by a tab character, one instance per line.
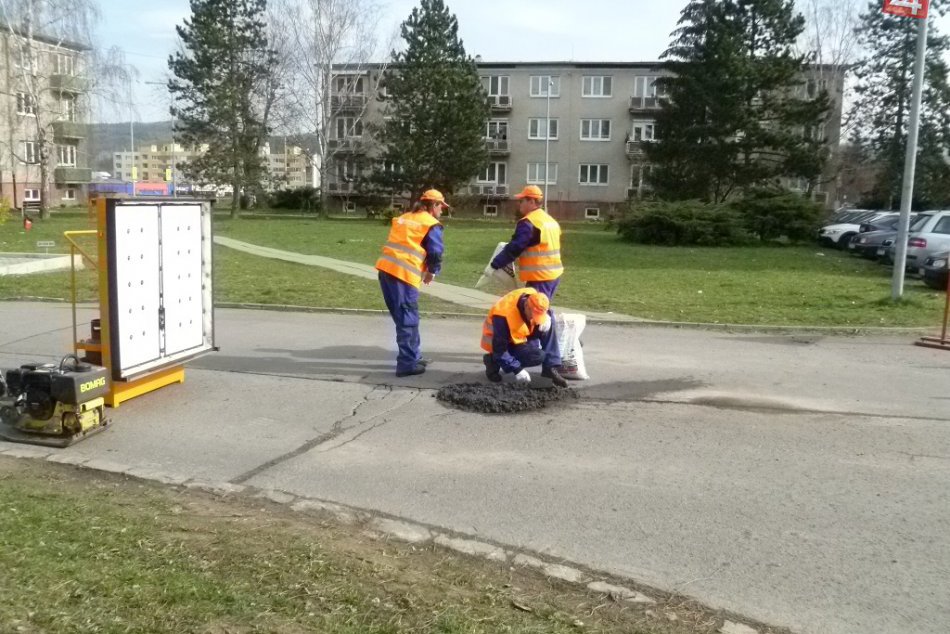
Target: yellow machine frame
119	391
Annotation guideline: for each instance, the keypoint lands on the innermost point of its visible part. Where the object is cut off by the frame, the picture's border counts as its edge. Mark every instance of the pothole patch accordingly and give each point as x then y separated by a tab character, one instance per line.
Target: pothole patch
502	398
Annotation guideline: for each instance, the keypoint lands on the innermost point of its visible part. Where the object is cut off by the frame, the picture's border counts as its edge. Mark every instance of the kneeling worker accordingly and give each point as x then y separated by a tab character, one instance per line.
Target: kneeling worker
519	333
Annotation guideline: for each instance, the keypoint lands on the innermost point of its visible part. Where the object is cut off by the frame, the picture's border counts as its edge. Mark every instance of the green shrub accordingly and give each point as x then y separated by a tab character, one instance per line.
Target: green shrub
301	199
4	210
690	222
771	214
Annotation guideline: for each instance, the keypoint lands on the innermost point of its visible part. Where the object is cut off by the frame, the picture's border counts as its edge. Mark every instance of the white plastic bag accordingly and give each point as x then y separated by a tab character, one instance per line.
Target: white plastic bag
504	280
569	330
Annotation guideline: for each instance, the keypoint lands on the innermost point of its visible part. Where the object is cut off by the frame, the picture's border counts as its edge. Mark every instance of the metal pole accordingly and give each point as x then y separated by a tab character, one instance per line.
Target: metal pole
547	142
910	164
132	132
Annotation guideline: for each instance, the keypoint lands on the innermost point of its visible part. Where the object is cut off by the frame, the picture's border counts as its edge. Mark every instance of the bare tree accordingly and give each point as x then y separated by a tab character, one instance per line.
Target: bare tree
316	36
55	72
830	44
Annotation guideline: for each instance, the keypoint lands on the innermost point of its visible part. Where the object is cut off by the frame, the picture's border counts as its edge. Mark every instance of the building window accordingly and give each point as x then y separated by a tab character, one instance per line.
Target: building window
348	84
643	131
595	129
542	84
349	207
496	85
346	171
67	155
25	104
597	86
495	174
593	174
497	130
67	105
31	194
490	210
31	152
592	213
69	194
536	129
648	87
348	127
65	64
536	174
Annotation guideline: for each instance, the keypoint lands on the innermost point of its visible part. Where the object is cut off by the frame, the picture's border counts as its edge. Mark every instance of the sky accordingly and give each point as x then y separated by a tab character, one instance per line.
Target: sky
497	30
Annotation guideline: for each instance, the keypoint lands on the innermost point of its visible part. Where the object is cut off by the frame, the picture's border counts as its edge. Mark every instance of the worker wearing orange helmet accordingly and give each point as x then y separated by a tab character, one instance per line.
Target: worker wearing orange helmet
412	256
536	245
519	333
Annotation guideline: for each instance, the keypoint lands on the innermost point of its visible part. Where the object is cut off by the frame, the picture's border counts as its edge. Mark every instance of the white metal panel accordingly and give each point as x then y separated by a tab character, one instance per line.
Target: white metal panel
182	295
136	271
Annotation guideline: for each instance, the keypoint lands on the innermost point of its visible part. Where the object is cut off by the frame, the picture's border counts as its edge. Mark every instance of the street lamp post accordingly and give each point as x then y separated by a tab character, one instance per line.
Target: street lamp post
174	163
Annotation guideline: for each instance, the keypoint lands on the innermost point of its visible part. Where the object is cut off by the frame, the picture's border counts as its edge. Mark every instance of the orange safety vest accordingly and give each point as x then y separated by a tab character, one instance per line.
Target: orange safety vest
507	307
542	262
403	256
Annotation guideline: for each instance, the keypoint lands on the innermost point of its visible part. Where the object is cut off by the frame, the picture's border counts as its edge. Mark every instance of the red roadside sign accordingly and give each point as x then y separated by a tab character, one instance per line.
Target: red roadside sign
907	8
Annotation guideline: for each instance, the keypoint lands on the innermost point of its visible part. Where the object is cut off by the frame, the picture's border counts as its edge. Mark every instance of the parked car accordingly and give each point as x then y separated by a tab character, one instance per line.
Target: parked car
928	238
844	226
876	235
921	221
934	271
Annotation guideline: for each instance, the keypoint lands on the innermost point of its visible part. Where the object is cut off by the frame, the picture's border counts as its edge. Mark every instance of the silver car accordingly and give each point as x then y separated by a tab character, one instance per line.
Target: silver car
927	237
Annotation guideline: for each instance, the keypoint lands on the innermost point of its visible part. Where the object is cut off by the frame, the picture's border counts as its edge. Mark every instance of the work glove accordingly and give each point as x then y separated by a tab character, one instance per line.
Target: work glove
545	325
523	377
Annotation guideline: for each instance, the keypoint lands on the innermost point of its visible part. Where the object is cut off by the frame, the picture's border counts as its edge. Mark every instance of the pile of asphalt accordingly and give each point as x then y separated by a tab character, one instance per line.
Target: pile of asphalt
501	398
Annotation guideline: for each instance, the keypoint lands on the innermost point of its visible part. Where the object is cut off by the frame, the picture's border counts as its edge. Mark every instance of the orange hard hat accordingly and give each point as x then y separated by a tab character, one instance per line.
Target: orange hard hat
531	191
538	305
434	195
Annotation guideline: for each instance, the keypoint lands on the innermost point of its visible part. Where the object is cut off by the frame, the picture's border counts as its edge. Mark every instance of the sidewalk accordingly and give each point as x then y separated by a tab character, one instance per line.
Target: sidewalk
468	297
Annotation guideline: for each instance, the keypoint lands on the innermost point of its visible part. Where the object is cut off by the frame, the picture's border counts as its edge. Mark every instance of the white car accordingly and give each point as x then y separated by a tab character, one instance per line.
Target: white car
845	226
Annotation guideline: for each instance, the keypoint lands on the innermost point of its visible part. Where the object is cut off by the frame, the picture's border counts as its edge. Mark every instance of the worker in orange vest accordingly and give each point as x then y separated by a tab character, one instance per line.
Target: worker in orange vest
536	245
519	333
412	256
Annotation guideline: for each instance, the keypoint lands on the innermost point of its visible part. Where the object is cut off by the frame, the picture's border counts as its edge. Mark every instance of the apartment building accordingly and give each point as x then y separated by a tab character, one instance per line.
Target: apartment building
42	120
578	130
288	165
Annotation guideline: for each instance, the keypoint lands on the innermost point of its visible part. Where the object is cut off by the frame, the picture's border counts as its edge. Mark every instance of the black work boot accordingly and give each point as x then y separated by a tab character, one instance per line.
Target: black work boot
419	369
492	371
555	376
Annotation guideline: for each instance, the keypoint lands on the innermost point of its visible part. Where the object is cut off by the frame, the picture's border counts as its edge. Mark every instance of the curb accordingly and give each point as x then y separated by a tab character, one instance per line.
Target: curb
382	526
846	331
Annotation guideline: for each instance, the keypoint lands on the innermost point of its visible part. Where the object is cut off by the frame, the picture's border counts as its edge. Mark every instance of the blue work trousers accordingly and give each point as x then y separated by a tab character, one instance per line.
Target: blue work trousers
402	300
548	288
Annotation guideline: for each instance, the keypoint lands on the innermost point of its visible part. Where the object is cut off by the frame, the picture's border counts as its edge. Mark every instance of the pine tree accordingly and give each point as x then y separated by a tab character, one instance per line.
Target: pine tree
224	89
882	106
438	109
739	114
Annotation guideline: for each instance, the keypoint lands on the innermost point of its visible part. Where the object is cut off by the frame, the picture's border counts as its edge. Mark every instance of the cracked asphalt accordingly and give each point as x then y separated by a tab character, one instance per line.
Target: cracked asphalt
802	481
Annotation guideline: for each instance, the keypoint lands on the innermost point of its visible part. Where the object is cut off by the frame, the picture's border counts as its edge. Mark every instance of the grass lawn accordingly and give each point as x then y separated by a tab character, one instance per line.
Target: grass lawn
240	278
88	552
773	285
776	285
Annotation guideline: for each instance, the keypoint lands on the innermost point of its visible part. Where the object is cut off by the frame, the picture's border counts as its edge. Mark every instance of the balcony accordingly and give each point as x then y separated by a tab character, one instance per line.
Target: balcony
500	103
636	149
72	175
69	130
68	83
349	145
646	105
342	104
489	190
339	188
497	147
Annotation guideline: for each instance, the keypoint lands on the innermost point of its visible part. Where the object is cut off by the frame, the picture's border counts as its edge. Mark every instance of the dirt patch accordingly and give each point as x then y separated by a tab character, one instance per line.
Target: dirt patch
502	398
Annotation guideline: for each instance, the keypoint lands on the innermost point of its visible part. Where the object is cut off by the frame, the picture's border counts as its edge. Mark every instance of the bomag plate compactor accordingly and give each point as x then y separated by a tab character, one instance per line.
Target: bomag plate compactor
53	405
